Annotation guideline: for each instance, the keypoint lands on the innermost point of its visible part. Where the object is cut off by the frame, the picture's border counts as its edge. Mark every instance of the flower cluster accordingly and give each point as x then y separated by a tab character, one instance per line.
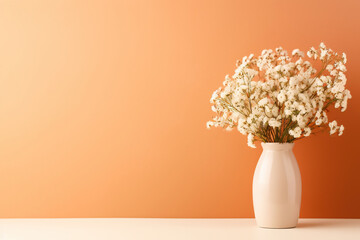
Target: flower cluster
278	97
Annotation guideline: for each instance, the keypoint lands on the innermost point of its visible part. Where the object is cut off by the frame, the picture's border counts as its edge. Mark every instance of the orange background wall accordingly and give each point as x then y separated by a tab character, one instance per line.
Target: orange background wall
103	106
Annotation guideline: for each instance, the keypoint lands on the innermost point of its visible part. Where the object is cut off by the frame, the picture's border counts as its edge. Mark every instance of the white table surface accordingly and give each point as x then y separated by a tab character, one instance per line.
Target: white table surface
173	229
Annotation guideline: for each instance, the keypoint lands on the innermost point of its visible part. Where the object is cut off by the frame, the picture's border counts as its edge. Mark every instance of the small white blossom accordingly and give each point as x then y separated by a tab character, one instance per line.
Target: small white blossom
281	97
274	123
329	67
333	127
251	140
344	58
341	130
263	101
318	122
297	52
307	131
296	133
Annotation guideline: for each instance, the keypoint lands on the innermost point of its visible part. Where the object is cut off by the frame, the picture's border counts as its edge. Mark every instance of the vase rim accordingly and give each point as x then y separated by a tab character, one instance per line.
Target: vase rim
275	143
277	146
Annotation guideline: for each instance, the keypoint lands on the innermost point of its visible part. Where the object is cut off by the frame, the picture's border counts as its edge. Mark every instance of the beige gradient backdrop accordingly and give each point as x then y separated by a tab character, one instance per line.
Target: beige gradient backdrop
103	106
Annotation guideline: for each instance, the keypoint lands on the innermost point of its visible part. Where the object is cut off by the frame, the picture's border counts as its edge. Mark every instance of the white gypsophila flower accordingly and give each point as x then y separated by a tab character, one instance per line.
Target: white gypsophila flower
297	52
341	130
229	128
274	123
251	140
281	97
296	133
329	67
333	127
307	131
275	111
263	101
318	122
301	121
344	58
337	104
276	97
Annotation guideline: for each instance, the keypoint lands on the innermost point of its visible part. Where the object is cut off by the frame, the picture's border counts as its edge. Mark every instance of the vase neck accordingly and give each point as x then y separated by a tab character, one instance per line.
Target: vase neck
277	146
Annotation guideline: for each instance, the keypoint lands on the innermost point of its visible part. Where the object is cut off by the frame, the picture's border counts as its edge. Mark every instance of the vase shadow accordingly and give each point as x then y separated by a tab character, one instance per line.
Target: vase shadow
320	224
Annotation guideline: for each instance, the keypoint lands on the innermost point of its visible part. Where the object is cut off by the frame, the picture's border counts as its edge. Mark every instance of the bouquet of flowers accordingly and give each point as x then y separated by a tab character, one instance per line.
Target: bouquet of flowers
282	98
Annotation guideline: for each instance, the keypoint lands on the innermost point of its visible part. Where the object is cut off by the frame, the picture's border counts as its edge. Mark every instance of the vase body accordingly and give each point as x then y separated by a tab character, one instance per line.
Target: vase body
277	187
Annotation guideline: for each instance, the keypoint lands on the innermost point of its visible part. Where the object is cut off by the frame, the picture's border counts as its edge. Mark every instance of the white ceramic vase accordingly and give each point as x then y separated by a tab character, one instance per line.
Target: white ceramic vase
277	187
